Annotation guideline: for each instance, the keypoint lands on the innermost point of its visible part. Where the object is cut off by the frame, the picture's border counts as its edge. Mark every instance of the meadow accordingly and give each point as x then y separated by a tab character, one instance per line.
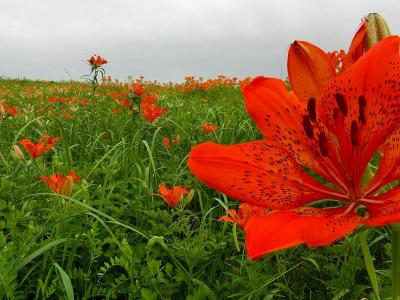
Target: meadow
112	237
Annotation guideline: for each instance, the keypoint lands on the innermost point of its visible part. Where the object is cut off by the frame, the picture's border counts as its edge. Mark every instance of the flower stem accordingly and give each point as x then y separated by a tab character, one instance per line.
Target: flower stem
369	264
396	262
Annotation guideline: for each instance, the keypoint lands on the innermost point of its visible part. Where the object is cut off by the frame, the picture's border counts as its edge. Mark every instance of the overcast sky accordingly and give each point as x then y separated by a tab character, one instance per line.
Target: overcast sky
170	39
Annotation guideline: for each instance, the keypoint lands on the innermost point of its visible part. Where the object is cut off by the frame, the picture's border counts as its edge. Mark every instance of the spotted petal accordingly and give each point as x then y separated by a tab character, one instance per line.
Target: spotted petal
362	105
260	173
285	229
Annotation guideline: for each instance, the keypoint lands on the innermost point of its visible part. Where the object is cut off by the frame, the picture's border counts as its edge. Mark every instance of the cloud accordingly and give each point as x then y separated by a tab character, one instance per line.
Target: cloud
168	40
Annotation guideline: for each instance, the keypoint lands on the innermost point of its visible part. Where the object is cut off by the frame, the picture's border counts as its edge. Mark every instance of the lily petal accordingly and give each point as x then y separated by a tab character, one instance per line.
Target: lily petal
309	69
284	118
306	225
362	105
260	173
357	46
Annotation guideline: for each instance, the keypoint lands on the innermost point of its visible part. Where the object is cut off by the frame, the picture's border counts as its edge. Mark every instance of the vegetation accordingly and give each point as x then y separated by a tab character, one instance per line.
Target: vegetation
112	238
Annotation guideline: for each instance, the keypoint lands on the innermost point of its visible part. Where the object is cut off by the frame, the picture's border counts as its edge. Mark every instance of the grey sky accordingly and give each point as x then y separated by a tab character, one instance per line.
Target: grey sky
170	39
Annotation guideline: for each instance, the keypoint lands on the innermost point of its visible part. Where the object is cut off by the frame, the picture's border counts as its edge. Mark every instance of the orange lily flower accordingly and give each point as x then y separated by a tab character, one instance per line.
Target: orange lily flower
138	89
318	67
245	211
61	184
167	142
35	150
50	139
333	129
150	111
97	60
150	99
173	195
209	128
310	68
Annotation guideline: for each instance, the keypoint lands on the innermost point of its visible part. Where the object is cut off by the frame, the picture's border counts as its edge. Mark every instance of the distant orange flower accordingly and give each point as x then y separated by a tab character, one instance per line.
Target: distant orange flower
6	109
61	184
150	99
35	150
116	110
50	139
245	211
125	102
138	89
173	195
209	128
97	60
105	136
167	142
151	112
67	116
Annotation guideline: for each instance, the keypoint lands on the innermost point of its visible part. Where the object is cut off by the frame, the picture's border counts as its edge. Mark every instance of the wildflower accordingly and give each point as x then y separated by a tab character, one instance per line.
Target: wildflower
150	99
138	89
318	66
97	60
6	109
209	128
67	116
116	110
245	211
61	184
150	111
35	150
50	139
173	195
167	142
105	136
329	125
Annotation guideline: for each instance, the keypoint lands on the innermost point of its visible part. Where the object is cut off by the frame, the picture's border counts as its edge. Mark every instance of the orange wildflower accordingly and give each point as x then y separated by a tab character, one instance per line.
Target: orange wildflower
61	184
332	125
209	128
67	116
138	89
151	112
173	195
50	139
105	136
97	60
168	142
245	211
35	150
150	99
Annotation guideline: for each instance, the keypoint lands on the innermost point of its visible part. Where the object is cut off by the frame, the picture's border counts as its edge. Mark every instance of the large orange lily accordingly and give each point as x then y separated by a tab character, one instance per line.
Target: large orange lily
330	126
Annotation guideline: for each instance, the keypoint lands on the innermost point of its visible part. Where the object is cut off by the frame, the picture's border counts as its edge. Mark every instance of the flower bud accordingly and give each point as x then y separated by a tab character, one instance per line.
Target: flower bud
377	29
2	109
16	152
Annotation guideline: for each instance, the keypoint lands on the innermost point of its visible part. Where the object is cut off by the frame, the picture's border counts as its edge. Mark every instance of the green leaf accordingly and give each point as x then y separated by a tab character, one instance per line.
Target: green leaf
69	291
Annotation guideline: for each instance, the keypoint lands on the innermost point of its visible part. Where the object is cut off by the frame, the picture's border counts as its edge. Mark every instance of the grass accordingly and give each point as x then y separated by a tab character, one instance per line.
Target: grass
111	239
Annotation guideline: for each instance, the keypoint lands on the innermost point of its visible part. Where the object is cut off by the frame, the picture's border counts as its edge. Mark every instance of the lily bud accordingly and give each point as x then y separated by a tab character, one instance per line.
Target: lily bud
377	29
65	187
17	152
2	109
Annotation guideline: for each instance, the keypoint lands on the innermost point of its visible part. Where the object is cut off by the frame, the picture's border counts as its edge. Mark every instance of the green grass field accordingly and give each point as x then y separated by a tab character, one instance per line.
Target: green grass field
112	238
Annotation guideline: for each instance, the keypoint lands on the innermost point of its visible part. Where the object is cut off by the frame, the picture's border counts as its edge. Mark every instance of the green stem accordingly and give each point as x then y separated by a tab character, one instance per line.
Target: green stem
396	262
369	263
